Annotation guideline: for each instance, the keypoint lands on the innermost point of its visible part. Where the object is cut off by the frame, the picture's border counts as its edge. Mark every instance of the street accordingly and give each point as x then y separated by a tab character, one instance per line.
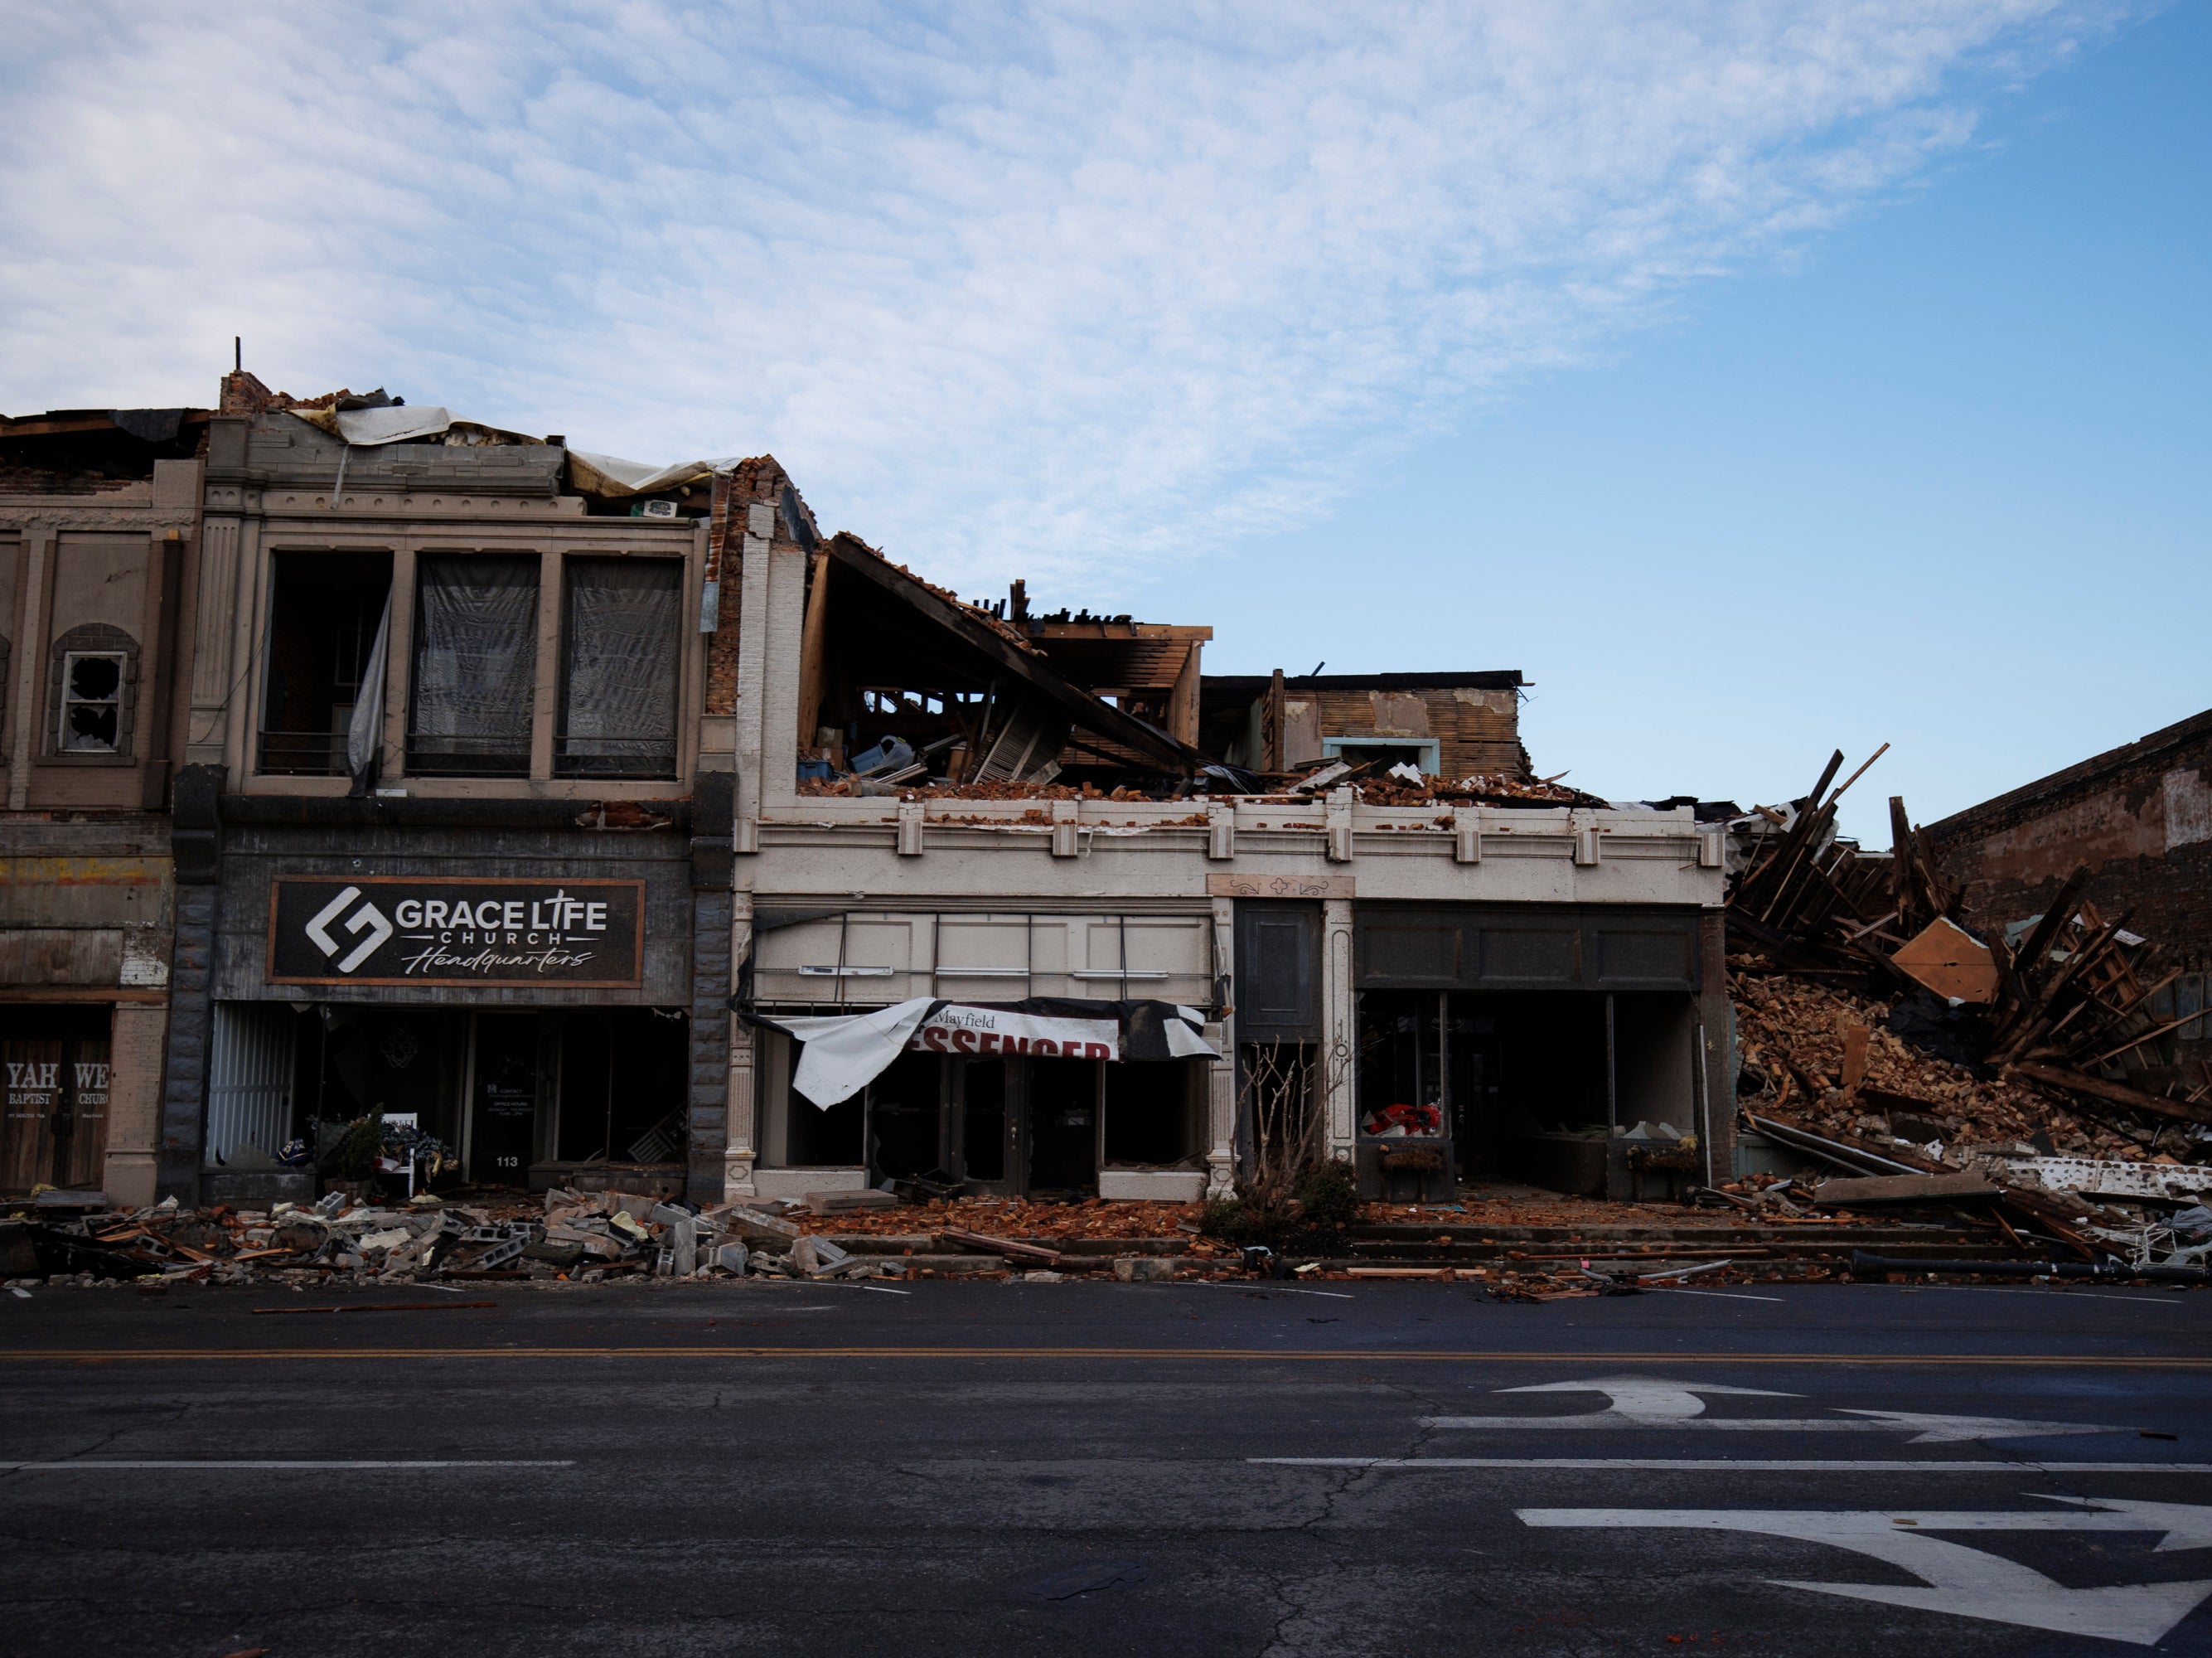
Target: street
979	1467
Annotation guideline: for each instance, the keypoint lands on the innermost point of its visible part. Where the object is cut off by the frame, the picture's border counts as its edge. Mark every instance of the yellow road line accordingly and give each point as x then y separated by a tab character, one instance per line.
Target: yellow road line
1364	1355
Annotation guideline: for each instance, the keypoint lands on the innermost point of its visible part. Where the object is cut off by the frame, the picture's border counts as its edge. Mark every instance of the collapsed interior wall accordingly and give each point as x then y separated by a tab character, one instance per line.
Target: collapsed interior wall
901	682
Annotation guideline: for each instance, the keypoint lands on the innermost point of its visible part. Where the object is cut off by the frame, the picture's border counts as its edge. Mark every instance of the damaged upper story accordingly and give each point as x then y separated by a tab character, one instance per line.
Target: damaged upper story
889	723
413	602
99	547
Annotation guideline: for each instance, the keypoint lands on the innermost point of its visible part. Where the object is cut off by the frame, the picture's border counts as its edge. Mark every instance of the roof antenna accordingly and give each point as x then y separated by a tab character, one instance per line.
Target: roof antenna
1315	675
237	355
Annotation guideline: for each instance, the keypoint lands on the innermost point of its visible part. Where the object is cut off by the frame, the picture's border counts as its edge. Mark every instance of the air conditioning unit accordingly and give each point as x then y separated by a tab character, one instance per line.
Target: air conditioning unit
653	509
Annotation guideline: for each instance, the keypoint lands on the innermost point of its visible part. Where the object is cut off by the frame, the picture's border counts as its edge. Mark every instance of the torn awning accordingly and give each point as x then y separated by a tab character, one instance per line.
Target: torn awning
841	1054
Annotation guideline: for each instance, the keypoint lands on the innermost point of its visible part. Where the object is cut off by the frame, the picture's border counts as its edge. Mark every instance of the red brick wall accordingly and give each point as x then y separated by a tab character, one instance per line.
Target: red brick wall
2140	817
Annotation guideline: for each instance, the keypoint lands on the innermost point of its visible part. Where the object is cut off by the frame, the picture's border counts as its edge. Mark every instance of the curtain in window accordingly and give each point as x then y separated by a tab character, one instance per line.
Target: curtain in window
619	717
476	663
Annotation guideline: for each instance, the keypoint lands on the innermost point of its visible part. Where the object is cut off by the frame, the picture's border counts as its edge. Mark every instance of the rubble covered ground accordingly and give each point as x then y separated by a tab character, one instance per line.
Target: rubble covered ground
1792	1034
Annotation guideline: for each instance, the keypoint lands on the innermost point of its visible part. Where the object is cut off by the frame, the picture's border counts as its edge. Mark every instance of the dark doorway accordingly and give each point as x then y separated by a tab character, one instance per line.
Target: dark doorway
980	1096
903	1118
503	1131
1063	1119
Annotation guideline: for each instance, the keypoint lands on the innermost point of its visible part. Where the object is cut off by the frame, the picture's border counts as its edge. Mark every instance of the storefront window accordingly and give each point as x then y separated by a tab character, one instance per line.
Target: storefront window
1154	1114
622	1087
903	1118
819	1137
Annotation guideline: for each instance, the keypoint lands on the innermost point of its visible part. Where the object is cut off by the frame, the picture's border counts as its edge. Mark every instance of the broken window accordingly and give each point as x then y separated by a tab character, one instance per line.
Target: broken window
324	612
621	661
95	667
476	666
92	702
1423	754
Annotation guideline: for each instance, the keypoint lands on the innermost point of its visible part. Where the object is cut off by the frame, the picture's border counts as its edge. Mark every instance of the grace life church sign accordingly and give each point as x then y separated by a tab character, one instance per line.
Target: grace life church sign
397	929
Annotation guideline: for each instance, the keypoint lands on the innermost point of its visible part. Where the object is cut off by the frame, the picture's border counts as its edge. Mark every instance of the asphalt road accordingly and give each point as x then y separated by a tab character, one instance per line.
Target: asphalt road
983	1468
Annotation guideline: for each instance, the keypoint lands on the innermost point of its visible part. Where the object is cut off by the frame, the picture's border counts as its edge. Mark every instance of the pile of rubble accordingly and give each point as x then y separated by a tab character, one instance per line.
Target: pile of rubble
578	1237
1884	1037
1397	787
1827	1058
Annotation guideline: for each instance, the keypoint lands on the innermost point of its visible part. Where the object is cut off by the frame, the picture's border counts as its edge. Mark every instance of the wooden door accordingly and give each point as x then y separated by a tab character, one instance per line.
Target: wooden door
55	1130
33	1067
81	1162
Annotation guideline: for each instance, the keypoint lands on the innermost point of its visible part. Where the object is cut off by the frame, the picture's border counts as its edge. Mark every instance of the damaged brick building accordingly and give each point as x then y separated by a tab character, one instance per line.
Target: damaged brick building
612	825
2139	819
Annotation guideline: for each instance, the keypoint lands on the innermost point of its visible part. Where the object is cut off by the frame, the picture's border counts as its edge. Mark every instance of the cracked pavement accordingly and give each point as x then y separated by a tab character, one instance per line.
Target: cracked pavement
1078	1478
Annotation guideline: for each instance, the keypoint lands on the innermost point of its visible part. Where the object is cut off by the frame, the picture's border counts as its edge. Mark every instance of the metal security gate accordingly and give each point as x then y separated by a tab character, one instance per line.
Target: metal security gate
249	1078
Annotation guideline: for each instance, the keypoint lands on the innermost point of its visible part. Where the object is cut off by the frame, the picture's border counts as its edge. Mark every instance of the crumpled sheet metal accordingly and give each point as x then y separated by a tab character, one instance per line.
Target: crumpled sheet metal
609	477
402	423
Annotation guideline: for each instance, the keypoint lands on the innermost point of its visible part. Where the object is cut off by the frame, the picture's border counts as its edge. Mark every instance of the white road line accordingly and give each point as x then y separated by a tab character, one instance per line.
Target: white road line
90	1465
1724	1465
1722	1295
2070	1294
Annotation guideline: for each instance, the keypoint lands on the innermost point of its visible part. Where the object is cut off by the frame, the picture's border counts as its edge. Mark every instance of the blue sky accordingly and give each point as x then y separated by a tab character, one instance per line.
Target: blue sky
1939	480
1759	378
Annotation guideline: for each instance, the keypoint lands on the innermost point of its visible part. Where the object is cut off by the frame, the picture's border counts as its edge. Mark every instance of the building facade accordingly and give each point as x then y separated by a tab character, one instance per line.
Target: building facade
99	551
452	834
1500	983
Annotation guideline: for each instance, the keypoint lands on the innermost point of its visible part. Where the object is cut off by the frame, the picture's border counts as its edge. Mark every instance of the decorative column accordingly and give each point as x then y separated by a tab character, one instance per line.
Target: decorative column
1221	1075
739	1149
1340	1025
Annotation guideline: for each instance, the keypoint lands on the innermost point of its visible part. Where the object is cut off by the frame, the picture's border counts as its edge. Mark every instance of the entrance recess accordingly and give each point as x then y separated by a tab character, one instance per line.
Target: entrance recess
502	1136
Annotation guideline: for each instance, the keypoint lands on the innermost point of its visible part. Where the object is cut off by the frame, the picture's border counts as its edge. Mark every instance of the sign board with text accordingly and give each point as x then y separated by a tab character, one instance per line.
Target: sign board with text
397	929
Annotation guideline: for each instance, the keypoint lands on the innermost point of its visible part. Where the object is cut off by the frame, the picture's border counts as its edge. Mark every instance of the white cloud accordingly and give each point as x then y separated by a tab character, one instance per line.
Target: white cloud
1007	290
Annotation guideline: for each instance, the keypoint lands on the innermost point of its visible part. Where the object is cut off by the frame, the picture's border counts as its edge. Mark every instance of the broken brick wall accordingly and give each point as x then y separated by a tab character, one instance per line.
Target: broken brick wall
1475	731
759	481
2140	817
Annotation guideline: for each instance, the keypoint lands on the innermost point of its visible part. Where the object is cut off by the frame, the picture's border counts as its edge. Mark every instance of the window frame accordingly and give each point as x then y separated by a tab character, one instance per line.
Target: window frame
562	769
530	740
92	639
408	547
1432	748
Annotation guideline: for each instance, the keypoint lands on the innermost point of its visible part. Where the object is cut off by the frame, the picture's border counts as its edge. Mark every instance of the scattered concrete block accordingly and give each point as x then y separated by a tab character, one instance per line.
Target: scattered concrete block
1143	1269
